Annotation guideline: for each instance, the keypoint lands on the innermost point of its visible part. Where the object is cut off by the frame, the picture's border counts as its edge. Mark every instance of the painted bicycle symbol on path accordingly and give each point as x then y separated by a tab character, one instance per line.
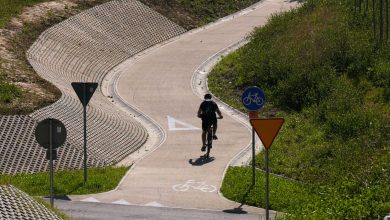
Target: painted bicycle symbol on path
192	184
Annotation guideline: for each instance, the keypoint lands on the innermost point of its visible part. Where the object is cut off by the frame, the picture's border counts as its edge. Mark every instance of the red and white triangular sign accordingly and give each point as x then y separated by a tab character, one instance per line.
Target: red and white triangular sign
267	129
176	125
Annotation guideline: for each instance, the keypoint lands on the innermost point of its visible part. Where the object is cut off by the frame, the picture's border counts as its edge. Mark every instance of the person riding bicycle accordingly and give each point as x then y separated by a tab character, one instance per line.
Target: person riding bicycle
206	112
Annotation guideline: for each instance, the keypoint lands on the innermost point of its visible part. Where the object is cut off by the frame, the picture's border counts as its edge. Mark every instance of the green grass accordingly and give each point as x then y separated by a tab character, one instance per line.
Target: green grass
305	201
8	92
324	73
67	182
237	186
54	209
11	8
70	182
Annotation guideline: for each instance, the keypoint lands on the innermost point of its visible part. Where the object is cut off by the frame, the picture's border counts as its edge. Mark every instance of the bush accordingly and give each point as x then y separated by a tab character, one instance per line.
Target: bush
380	75
342	111
304	89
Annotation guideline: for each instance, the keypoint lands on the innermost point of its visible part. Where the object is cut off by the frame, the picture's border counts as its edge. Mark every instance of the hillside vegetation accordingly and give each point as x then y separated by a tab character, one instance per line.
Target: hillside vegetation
195	13
22	91
322	70
10	8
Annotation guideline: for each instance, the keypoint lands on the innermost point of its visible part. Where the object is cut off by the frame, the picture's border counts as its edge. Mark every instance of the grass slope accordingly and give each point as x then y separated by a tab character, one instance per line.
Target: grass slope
195	13
11	8
322	70
70	182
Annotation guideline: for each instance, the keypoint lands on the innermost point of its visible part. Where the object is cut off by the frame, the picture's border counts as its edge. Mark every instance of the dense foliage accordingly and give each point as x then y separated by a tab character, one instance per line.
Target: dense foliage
322	70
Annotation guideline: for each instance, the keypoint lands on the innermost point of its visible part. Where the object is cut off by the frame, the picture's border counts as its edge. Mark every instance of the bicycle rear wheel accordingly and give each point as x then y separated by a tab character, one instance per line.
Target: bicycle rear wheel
209	141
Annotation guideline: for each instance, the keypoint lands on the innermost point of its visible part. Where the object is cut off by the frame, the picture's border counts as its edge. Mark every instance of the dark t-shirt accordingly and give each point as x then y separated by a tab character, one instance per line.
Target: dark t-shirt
208	110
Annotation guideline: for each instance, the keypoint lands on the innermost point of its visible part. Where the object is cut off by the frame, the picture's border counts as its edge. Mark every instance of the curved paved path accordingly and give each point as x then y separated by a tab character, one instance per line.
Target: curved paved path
159	84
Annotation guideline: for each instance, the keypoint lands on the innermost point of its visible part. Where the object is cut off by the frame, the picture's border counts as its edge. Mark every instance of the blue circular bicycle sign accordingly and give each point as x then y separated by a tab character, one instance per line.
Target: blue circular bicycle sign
253	98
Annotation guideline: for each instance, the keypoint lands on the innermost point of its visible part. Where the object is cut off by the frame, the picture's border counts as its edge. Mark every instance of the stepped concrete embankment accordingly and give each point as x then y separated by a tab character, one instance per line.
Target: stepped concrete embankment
84	48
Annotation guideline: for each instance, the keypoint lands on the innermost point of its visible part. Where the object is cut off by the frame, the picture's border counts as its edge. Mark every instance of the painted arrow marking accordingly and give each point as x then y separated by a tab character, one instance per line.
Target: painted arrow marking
172	124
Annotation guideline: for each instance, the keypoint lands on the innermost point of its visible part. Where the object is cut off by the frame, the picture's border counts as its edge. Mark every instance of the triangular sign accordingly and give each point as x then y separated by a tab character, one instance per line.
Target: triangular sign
84	91
267	129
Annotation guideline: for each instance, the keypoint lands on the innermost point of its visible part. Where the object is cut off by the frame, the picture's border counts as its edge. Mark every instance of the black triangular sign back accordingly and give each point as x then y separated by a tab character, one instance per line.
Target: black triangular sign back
87	88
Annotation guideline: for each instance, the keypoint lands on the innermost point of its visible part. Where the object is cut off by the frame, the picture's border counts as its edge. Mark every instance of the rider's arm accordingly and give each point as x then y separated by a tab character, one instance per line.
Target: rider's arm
219	112
199	113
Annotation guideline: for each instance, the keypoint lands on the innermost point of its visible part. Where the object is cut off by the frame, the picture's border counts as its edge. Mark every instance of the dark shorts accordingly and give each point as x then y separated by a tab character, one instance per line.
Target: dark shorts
207	122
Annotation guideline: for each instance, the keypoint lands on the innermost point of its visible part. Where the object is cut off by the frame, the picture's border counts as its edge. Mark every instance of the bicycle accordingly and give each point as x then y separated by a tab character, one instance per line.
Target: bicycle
209	139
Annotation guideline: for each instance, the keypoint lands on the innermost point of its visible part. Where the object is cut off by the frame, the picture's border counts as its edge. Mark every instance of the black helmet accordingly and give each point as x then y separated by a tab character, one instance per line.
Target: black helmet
207	96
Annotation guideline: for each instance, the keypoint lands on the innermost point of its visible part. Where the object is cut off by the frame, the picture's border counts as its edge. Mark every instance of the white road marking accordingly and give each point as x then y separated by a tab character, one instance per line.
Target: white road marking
121	202
154	204
90	199
172	122
202	186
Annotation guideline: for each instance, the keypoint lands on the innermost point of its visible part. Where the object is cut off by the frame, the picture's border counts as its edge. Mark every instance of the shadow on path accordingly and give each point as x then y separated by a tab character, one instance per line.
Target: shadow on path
239	209
58	197
201	161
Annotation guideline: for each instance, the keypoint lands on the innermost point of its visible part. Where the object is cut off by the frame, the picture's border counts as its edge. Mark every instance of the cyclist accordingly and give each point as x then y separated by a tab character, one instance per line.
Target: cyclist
206	112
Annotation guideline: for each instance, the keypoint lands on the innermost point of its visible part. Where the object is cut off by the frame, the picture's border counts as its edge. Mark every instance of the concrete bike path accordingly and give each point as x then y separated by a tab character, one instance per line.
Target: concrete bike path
159	84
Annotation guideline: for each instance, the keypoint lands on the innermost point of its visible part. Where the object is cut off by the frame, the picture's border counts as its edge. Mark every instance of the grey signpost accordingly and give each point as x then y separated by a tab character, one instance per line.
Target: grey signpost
50	134
267	129
84	91
253	99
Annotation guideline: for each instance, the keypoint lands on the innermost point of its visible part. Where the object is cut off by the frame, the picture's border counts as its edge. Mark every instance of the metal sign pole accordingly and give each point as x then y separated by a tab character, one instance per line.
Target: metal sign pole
354	8
374	17
381	20
51	163
266	185
387	20
84	92
267	129
253	158
85	133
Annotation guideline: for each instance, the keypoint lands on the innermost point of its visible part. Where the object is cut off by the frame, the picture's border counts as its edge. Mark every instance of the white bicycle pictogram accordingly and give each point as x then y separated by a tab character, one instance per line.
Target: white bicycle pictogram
202	186
253	99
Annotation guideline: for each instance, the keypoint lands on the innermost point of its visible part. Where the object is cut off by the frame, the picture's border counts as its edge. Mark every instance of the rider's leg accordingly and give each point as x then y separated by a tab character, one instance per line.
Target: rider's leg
204	131
204	138
215	130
